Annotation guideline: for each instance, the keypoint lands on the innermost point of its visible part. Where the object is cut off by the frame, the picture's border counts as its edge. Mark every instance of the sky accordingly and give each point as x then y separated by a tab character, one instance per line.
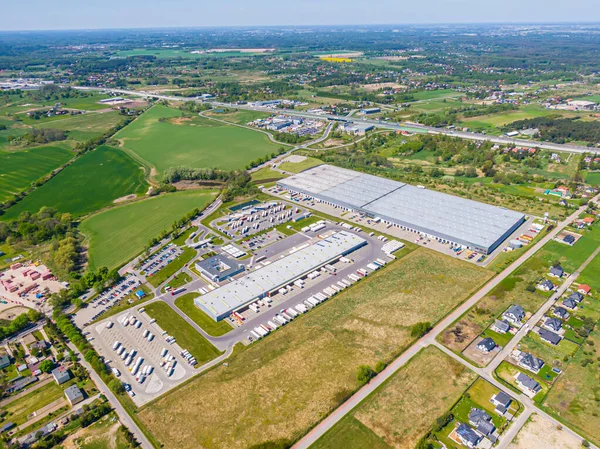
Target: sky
101	14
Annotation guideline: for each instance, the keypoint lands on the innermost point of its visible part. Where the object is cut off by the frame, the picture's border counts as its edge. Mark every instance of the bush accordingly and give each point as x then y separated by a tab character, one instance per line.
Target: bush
364	374
380	366
420	329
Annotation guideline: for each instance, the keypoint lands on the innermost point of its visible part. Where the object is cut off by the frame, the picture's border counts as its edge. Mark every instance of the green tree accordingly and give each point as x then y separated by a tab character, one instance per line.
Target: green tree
46	366
364	374
420	329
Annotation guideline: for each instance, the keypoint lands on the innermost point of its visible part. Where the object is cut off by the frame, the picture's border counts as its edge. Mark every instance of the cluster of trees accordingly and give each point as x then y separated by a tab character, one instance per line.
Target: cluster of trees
268	157
290	138
36	228
560	130
98	280
21	322
176	174
65	253
39	136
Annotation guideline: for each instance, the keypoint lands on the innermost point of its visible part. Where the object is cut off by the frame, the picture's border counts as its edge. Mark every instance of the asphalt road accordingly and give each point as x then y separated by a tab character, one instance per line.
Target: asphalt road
430	339
376	123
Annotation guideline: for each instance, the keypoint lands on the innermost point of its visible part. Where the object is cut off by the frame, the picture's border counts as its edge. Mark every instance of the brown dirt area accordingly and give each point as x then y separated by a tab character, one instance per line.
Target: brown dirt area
541	433
377	86
180	120
480	358
459	336
125	198
12	312
281	386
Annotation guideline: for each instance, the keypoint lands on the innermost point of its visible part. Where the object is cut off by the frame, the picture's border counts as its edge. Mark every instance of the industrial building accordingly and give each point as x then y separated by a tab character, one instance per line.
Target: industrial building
446	218
267	280
219	268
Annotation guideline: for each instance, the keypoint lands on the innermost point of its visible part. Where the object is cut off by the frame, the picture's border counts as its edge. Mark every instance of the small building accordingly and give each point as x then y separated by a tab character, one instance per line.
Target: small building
554	324
468	436
531	362
486	345
546	286
4	361
140	294
515	314
584	289
528	384
61	375
569	239
569	304
219	268
487	428
73	394
477	415
501	326
7	426
561	313
502	401
576	296
549	336
368	111
556	271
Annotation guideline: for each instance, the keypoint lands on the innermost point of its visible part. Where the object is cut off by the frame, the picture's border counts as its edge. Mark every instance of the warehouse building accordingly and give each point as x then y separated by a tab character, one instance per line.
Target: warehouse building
267	280
219	268
446	218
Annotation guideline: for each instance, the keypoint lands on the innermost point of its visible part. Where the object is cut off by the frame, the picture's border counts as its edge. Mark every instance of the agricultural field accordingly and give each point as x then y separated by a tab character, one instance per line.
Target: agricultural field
418	393
92	182
85	126
117	235
186	335
493	121
191	142
18	169
250	401
185	303
574	397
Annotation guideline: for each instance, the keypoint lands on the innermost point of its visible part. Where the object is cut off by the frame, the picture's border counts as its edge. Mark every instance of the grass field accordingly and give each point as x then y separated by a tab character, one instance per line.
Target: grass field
265	174
499	120
297	167
18	169
280	386
405	407
119	234
19	410
92	182
185	54
194	143
590	274
185	303
186	335
239	117
84	126
575	396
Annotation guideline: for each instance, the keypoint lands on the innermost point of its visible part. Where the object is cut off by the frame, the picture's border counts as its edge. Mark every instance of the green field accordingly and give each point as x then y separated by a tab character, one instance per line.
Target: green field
119	234
239	116
18	169
501	119
186	335
92	182
194	143
404	408
85	126
297	167
185	303
185	54
281	386
19	410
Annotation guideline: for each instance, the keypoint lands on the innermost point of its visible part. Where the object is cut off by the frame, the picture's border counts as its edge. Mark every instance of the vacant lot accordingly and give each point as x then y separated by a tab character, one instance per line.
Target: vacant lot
194	143
575	395
92	182
403	409
297	167
18	169
282	385
185	303
186	335
540	432
18	411
119	234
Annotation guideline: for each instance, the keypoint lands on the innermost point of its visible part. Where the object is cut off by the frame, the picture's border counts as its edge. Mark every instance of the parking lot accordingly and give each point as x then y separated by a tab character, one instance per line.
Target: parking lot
107	299
257	218
160	259
140	355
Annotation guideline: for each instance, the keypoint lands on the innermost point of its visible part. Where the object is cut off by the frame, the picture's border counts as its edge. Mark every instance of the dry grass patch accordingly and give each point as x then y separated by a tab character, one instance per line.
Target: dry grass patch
283	385
540	432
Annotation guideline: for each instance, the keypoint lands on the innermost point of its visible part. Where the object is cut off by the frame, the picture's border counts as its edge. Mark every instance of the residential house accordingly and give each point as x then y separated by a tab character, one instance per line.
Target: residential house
561	313
584	289
486	345
556	271
4	361
531	362
61	375
515	314
528	384
468	436
487	428
549	336
501	326
569	239
569	304
554	324
576	296
502	401
476	415
546	286
73	394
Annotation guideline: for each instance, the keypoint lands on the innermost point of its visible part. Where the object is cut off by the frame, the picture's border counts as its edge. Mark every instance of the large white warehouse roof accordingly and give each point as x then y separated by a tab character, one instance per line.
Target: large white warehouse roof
470	223
220	302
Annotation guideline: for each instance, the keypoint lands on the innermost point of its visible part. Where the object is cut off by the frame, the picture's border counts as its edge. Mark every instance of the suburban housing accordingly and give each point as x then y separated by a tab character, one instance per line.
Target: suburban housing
444	217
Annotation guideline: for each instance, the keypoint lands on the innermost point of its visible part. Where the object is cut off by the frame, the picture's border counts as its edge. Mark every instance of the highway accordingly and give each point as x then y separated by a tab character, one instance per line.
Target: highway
503	140
430	339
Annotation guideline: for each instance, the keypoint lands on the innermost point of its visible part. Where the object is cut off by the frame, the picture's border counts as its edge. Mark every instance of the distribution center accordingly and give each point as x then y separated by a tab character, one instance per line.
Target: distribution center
444	217
219	303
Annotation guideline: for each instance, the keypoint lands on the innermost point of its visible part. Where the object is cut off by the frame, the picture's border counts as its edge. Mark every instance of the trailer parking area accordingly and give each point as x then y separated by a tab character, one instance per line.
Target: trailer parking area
134	341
